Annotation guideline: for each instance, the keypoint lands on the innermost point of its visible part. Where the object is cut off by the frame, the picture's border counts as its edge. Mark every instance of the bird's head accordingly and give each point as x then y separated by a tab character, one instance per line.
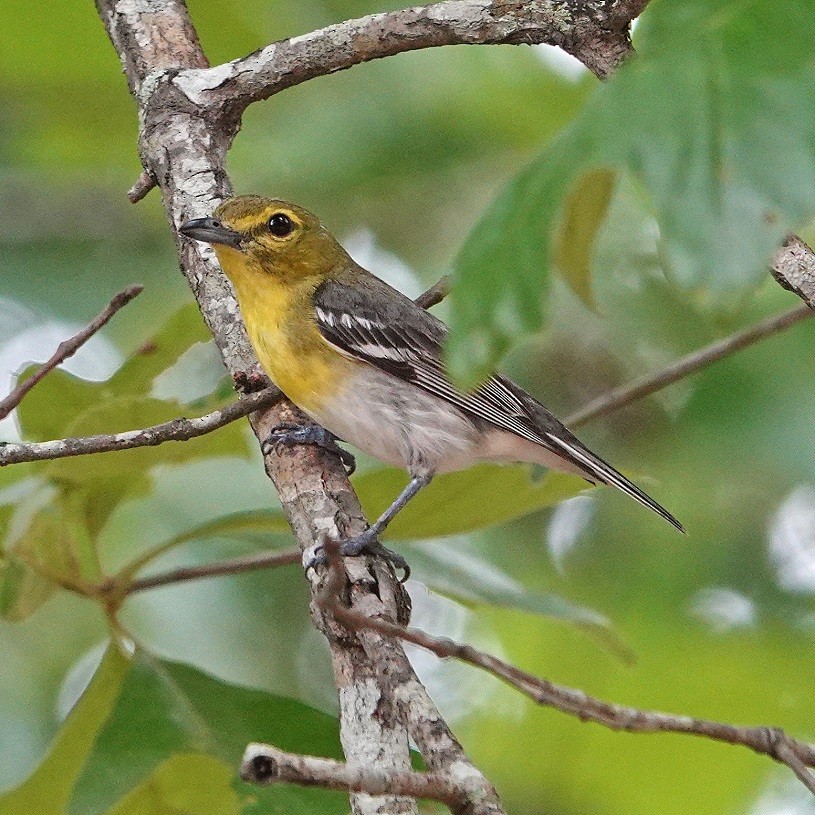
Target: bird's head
253	236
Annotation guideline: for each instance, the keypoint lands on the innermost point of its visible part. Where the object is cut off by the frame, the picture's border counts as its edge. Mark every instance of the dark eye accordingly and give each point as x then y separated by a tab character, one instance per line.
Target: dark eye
280	225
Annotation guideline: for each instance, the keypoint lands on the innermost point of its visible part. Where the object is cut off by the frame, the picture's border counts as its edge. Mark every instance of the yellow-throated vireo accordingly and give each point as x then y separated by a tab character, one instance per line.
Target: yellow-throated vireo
365	362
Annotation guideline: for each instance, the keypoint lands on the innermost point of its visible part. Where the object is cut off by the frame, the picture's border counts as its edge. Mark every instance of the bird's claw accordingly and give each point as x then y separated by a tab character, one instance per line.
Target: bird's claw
288	434
364	544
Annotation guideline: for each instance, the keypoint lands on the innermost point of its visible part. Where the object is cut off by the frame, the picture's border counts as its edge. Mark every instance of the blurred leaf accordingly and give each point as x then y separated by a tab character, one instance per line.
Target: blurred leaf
130	413
45	545
584	211
708	118
49	789
473	581
22	590
260	526
256	524
455	503
185	328
50	408
167	710
184	784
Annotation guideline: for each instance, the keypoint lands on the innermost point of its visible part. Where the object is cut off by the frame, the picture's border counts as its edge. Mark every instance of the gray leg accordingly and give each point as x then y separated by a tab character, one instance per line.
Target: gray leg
367	542
355	545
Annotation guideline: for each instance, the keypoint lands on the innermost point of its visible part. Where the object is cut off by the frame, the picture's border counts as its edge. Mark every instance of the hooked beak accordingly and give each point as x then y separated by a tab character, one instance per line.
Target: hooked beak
210	231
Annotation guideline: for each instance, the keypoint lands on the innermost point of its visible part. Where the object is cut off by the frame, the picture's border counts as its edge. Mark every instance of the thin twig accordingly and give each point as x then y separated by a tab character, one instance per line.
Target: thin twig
67	349
435	294
620	397
180	429
264	764
769	741
238	565
141	186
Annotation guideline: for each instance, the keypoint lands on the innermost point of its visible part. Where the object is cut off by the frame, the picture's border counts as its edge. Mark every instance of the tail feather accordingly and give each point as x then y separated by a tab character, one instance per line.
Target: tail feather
597	469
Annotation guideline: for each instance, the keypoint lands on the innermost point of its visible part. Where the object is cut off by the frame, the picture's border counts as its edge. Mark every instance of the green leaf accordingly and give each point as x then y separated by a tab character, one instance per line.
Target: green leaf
44	547
184	784
472	581
456	503
261	526
185	328
708	119
49	789
167	710
584	212
50	408
131	413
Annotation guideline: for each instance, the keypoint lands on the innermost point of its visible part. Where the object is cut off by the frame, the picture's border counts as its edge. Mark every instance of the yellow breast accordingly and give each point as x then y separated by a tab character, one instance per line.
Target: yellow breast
285	338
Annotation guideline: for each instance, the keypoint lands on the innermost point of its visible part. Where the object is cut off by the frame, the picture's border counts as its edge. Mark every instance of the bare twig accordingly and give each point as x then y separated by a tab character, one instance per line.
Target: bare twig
620	397
238	565
769	741
68	348
180	429
264	764
141	186
596	33
435	294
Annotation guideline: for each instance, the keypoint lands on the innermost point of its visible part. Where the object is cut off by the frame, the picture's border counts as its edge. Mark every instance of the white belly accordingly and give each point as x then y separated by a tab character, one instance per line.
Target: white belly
401	424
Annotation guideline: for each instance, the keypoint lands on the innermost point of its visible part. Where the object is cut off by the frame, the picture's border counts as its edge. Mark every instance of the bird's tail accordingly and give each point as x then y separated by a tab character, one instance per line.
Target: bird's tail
598	470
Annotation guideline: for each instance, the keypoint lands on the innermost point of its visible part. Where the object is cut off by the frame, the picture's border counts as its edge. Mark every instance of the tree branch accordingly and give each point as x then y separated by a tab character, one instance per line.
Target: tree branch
793	266
238	565
180	429
263	764
68	348
687	365
597	33
770	741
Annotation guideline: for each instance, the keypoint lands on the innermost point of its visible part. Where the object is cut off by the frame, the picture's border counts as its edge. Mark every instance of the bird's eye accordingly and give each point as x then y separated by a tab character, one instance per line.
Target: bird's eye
280	225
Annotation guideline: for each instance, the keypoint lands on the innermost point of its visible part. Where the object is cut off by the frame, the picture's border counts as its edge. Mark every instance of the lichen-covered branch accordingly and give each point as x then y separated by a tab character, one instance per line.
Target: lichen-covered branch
770	741
263	764
595	31
183	147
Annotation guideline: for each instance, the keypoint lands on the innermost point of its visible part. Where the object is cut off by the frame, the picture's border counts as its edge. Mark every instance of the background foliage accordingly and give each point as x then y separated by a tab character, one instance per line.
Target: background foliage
418	146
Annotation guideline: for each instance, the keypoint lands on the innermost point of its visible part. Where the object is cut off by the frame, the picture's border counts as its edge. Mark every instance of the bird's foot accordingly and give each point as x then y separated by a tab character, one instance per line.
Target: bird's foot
364	544
288	434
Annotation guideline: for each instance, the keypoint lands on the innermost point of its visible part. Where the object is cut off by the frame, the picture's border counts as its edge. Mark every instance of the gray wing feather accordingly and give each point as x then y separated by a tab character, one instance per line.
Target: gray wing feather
379	325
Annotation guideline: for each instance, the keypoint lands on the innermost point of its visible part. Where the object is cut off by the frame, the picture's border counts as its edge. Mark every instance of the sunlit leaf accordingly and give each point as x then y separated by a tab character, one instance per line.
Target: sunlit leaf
49	789
584	211
167	710
455	503
184	784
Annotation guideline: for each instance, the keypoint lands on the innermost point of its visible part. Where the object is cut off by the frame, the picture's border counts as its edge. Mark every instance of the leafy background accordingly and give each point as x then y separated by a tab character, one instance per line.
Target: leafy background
705	156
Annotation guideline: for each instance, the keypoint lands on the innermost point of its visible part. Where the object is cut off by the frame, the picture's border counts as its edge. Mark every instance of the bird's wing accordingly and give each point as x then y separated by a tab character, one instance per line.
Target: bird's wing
375	323
384	328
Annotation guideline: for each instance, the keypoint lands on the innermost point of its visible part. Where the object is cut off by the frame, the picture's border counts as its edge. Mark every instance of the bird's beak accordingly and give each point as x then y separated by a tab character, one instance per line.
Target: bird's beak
211	231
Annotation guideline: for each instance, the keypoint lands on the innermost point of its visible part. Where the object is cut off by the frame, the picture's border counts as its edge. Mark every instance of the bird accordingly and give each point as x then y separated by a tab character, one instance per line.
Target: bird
365	362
